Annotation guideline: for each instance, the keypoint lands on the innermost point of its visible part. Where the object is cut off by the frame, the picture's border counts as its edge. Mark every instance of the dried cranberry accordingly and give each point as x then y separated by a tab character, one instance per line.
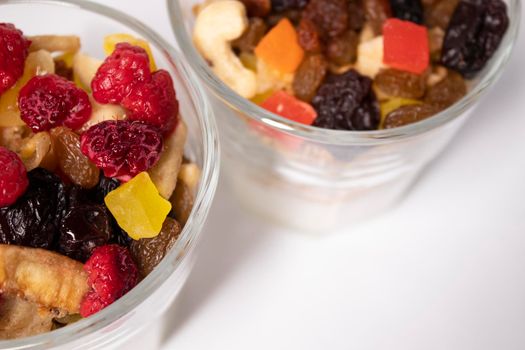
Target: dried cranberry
122	148
154	102
13	53
48	101
35	217
474	34
330	16
347	102
125	68
13	179
408	10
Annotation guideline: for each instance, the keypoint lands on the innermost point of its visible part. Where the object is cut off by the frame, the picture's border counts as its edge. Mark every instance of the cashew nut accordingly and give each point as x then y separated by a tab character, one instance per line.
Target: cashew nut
102	112
216	26
370	57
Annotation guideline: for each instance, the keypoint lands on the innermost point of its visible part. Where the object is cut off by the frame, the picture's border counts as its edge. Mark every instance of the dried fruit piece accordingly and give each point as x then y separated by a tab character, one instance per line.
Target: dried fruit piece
63	70
436	36
122	148
406	46
125	68
356	15
409	114
55	43
309	77
308	36
111	274
347	102
292	15
408	10
43	277
138	207
83	228
474	34
13	178
447	92
330	16
13	52
251	36
376	13
111	41
184	194
289	107
48	101
283	5
73	163
34	218
154	102
148	252
280	48
393	104
396	83
439	13
257	8
342	50
37	63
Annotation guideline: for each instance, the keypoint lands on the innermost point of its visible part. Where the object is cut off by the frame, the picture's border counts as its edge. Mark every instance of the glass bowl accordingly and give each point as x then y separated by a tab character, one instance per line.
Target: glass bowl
116	323
315	179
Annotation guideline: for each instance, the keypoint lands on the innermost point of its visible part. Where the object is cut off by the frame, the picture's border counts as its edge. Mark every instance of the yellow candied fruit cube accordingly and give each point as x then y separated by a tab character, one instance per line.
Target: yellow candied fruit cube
260	98
112	40
138	207
393	104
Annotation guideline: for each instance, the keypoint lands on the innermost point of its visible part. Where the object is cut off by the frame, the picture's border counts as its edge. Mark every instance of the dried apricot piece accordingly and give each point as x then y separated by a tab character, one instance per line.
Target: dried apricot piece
280	48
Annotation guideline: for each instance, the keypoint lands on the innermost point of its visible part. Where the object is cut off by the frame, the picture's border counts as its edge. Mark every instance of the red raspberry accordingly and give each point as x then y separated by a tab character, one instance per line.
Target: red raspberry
47	101
125	68
122	148
111	274
154	102
13	52
13	177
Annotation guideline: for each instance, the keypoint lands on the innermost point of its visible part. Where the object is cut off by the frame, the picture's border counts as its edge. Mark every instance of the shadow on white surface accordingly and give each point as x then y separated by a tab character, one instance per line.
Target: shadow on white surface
230	237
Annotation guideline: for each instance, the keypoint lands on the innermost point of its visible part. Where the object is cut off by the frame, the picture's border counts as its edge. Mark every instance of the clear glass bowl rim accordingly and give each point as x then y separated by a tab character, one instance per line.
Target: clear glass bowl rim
171	264
486	78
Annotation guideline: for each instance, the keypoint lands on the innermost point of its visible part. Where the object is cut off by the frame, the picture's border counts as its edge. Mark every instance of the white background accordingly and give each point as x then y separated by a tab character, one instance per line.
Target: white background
444	270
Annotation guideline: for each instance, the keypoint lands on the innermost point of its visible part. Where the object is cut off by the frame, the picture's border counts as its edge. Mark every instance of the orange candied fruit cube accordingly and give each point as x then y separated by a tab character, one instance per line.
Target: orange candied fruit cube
405	46
280	48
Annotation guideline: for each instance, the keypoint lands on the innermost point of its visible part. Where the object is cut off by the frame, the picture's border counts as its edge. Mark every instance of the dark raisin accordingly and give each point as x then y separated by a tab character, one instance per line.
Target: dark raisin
105	185
330	16
84	228
409	114
148	252
356	15
342	50
376	13
308	36
283	5
439	13
77	196
407	10
309	77
447	92
251	36
257	8
35	217
474	34
397	83
347	102
62	69
293	15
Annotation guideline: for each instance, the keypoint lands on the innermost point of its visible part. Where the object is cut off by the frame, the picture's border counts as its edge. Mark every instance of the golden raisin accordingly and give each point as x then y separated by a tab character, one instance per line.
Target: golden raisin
409	114
342	50
309	77
308	36
397	83
448	91
376	12
251	36
72	162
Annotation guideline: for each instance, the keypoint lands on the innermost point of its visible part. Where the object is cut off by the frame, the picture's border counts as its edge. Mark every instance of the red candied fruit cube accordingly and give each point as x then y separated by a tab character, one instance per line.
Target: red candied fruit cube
405	46
289	107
